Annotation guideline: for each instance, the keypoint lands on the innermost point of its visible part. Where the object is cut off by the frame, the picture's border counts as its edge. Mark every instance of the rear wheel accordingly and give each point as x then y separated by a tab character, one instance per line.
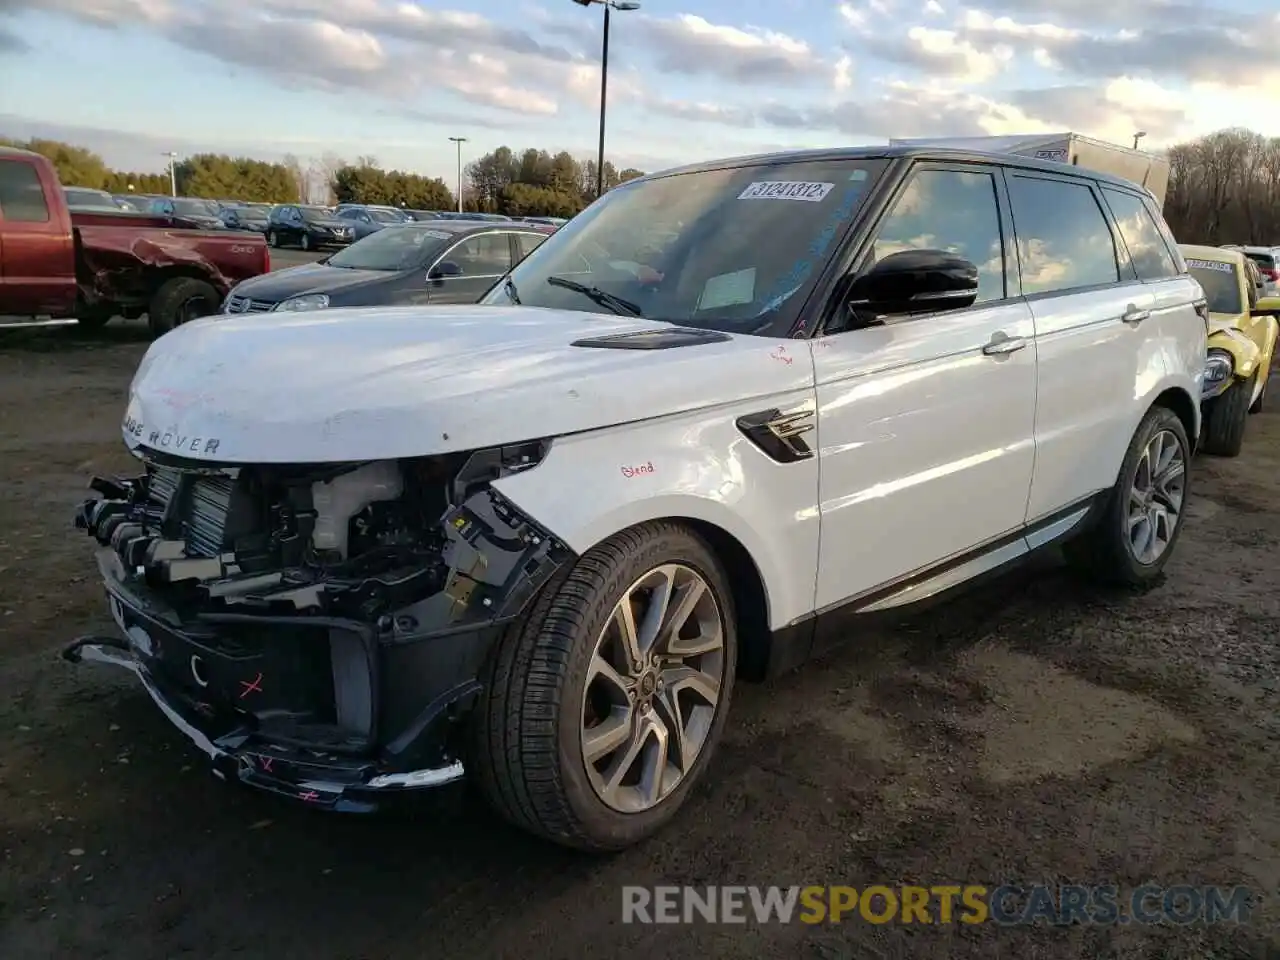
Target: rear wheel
306	241
1224	420
273	239
1134	537
602	710
179	301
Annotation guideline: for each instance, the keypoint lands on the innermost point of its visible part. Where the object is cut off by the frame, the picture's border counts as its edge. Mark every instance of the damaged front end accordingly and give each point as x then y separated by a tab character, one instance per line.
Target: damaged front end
318	630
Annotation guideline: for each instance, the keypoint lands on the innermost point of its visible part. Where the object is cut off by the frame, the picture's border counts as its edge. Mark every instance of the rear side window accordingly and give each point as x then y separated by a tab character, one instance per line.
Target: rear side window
529	242
1146	247
1064	241
21	196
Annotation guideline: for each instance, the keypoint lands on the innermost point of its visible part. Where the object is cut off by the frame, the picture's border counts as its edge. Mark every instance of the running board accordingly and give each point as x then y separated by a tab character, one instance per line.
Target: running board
976	567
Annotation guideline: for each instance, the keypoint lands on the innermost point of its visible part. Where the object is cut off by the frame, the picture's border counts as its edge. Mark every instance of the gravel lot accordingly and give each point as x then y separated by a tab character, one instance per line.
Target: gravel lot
1034	731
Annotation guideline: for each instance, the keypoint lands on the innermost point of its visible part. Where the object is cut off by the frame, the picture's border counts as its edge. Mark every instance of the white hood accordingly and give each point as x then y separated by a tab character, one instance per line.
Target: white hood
370	384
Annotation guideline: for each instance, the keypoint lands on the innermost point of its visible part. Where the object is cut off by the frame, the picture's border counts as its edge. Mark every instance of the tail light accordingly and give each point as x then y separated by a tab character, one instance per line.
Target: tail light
1271	273
266	258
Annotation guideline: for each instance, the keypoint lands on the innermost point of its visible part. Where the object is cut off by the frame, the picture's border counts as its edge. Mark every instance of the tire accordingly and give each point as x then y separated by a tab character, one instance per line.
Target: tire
305	243
1105	552
1224	420
273	239
178	300
528	756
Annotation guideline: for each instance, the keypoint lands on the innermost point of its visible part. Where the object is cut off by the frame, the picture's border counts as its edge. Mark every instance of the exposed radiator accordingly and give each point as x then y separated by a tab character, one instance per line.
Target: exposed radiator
204	510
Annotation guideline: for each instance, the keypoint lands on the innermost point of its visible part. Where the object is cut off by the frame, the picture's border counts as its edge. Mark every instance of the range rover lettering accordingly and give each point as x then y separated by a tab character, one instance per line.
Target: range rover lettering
690	441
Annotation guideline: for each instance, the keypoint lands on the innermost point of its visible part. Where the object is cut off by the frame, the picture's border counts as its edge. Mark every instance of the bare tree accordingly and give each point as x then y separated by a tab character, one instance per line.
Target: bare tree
294	166
1225	188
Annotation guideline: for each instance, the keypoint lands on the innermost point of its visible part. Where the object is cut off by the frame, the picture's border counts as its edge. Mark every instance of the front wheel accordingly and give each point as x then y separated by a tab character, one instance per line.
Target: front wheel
273	239
1134	537
602	709
1225	417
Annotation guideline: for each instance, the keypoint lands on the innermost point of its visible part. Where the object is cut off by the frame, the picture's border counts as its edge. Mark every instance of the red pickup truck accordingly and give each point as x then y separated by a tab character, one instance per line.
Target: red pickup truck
93	265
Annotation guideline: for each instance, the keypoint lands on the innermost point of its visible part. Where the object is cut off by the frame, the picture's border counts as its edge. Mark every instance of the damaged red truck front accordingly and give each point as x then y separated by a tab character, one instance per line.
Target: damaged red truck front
59	264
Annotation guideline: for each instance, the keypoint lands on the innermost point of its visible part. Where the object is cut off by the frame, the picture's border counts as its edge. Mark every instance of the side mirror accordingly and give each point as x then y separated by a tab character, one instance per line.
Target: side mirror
1267	307
445	268
915	281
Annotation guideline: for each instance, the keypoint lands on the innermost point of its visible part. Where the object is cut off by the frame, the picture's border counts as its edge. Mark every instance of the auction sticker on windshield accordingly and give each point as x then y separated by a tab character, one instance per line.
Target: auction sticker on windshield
436	235
1210	265
786	190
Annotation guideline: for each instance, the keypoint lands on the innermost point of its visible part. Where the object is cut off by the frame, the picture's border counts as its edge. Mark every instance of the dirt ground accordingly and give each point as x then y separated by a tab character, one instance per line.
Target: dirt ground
1034	731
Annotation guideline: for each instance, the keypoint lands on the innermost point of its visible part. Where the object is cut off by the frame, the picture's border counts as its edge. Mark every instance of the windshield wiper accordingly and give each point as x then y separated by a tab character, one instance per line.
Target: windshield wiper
602	297
509	286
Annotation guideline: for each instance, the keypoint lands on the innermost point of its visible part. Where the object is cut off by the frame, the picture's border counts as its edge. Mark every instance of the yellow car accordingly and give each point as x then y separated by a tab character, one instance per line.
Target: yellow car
1242	344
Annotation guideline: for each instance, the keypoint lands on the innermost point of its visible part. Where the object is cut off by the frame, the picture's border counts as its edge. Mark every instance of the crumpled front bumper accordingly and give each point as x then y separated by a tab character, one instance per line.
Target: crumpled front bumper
342	788
171	659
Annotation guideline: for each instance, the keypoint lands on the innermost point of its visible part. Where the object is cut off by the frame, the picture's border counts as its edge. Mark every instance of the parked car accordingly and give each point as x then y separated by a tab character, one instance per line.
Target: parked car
205	214
131	202
88	199
1268	261
414	263
247	216
367	220
424	215
308	227
94	264
548	221
1241	346
537	541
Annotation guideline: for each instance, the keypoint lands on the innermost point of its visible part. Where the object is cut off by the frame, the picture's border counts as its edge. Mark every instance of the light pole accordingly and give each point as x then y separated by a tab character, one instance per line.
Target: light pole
173	176
459	141
1138	136
608	5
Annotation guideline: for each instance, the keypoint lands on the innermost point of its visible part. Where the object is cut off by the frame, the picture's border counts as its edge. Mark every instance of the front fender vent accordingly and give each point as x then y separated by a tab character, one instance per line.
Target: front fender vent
780	434
660	338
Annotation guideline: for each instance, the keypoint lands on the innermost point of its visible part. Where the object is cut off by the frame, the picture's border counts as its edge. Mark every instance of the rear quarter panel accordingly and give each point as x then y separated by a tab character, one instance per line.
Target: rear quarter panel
119	254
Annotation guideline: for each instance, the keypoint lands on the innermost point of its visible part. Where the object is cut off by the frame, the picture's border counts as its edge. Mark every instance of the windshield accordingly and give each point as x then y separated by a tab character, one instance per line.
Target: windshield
316	213
386	216
1221	284
393	249
252	211
195	208
734	249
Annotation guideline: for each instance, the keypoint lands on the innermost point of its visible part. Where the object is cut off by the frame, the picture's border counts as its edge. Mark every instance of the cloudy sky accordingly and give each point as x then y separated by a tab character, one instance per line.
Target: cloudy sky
689	79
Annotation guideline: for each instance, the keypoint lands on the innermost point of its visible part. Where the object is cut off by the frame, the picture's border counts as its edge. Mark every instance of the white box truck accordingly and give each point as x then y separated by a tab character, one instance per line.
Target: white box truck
1144	169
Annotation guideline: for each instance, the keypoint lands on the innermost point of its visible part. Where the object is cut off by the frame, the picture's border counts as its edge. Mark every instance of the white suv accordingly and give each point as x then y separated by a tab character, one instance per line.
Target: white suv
692	439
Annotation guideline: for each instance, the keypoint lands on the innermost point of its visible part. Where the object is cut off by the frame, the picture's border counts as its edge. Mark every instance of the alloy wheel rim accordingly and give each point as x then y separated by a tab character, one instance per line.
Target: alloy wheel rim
653	688
1155	498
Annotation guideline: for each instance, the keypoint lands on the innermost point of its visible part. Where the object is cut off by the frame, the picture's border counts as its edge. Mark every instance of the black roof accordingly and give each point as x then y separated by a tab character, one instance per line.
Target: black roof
905	152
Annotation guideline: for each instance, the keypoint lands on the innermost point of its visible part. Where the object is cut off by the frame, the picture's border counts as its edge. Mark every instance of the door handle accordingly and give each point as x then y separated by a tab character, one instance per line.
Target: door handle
1001	345
1133	315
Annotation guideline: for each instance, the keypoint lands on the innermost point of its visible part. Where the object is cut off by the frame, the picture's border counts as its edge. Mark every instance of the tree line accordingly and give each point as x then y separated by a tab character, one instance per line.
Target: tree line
1225	188
531	182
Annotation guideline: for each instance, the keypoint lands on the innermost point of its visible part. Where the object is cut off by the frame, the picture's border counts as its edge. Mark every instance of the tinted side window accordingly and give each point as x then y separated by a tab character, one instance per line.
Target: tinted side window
949	210
1147	250
488	254
529	242
1064	241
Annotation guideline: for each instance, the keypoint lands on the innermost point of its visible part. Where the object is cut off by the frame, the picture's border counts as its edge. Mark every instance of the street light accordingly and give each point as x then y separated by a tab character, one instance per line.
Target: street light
1138	136
173	176
459	141
608	5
